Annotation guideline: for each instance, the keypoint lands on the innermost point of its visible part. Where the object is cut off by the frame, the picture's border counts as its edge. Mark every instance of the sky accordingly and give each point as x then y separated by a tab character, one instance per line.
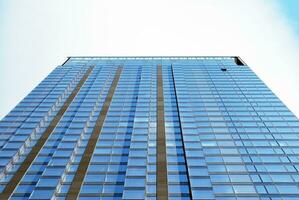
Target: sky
290	9
36	36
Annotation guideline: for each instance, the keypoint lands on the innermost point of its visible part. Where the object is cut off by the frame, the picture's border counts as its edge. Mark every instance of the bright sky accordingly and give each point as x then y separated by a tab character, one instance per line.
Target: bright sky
36	36
290	9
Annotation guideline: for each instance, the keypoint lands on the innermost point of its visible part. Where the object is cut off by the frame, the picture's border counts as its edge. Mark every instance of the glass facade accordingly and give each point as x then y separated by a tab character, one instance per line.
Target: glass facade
150	128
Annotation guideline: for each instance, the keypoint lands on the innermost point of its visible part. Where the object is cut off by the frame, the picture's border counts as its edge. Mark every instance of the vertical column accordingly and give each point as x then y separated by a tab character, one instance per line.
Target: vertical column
162	185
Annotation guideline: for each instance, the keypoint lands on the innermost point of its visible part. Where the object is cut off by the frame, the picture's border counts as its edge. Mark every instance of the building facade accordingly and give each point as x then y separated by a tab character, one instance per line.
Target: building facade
150	128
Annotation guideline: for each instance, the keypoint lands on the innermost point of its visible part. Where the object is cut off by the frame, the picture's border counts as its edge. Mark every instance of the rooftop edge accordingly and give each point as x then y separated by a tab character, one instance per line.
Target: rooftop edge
237	59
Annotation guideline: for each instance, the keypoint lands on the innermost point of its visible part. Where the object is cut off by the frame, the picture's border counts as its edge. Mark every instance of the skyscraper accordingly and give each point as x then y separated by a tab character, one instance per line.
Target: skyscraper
150	128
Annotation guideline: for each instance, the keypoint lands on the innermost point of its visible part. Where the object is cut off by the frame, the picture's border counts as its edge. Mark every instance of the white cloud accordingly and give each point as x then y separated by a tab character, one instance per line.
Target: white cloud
36	36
